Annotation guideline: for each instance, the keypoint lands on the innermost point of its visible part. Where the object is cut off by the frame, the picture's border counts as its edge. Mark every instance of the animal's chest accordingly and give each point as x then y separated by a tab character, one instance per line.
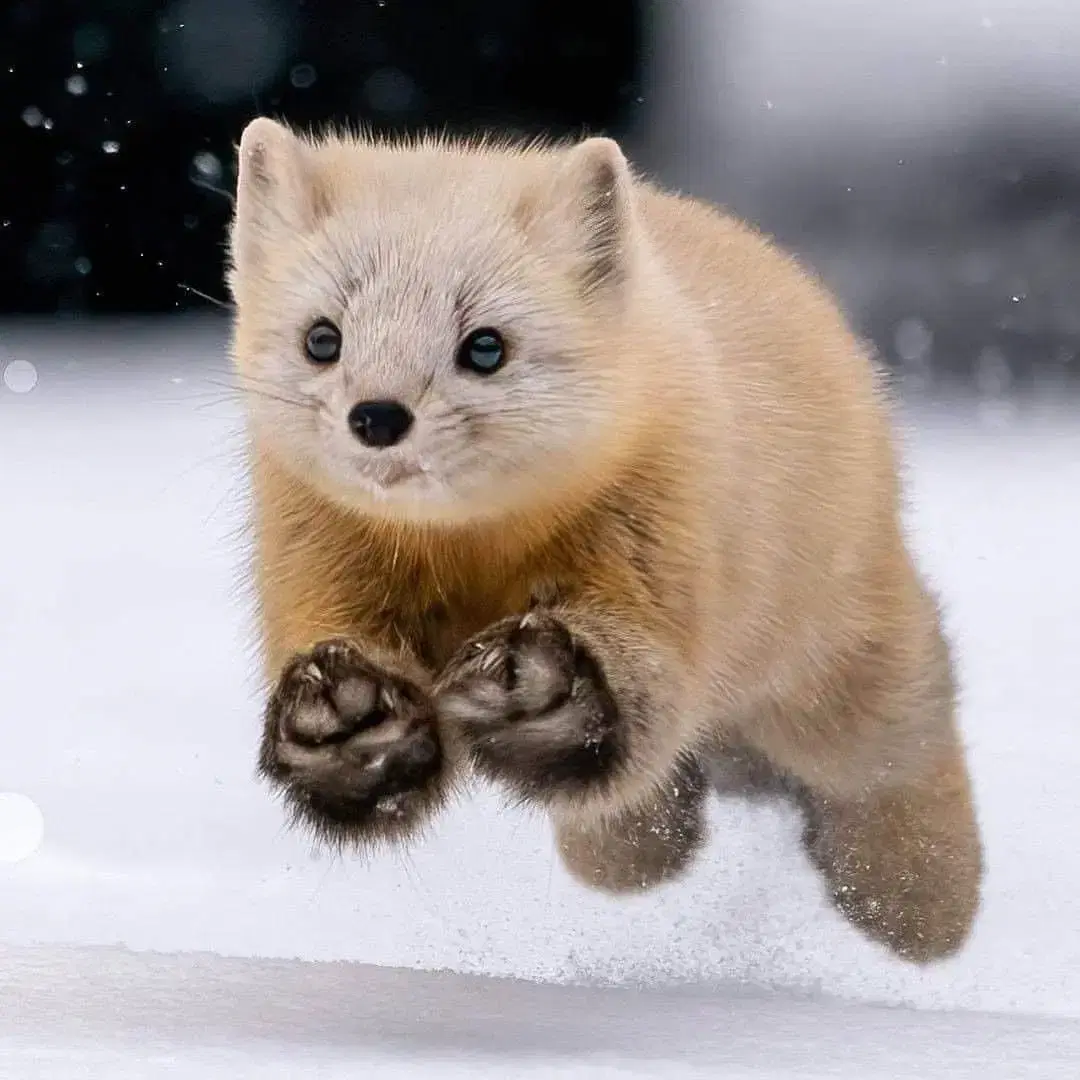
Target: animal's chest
435	618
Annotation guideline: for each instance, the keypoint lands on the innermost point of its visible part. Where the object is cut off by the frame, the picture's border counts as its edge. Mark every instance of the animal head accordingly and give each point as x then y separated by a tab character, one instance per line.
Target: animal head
436	332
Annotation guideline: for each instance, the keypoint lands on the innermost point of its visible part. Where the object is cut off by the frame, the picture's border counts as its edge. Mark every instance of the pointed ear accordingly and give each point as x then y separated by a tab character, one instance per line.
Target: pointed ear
590	203
275	193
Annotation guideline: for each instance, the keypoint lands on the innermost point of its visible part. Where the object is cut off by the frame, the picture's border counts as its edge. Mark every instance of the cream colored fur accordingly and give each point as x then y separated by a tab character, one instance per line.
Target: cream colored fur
685	471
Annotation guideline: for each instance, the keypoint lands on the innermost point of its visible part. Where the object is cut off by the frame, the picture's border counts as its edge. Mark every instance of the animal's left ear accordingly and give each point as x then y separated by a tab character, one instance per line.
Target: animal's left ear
591	202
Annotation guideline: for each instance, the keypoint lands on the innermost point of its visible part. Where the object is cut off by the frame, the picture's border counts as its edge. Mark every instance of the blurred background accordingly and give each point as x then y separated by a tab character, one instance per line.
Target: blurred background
924	157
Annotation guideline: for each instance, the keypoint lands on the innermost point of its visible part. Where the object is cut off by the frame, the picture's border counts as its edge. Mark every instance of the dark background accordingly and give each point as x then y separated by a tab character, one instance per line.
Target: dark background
121	116
118	120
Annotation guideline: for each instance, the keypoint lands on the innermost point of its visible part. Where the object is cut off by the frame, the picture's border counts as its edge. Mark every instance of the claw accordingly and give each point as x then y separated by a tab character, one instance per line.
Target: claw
391	805
491	661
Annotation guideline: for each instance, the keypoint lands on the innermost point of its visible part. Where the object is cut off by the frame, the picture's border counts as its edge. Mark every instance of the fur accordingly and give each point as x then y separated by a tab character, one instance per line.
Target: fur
669	525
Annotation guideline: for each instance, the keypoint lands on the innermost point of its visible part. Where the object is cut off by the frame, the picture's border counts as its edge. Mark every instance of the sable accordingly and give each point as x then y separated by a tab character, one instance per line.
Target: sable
584	488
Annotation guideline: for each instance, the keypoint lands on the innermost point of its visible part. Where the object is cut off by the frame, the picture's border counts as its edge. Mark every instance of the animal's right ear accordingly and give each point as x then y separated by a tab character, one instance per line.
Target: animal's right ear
274	192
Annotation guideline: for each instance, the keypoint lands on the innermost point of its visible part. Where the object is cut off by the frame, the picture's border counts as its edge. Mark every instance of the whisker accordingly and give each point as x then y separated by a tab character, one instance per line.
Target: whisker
281	399
215	402
206	185
266	394
224	304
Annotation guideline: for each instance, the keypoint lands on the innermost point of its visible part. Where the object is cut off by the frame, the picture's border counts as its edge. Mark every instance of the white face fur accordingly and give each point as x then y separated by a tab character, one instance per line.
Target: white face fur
417	329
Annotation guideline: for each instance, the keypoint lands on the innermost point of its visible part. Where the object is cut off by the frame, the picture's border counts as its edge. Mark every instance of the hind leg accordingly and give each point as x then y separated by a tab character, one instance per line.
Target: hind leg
877	764
903	863
644	846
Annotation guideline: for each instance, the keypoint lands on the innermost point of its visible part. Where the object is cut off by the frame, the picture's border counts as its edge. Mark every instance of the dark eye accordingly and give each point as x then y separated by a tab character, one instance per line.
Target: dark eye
323	342
482	351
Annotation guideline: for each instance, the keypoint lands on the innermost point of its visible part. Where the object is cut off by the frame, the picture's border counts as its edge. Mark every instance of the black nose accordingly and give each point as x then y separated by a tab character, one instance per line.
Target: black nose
380	423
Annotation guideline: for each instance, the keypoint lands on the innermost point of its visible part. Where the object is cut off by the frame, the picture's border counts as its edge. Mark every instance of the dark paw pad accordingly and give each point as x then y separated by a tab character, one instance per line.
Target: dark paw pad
355	749
533	707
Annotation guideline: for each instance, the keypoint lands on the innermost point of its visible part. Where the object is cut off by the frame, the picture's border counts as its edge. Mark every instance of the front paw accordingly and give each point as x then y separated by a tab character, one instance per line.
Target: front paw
533	708
354	749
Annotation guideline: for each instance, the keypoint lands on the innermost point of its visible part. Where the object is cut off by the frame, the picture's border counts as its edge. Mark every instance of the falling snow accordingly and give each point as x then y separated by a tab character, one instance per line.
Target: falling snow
207	165
22	827
20	376
303	76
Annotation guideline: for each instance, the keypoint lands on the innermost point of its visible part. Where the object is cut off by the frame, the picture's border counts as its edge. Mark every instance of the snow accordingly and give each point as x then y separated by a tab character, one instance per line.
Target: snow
121	1015
168	924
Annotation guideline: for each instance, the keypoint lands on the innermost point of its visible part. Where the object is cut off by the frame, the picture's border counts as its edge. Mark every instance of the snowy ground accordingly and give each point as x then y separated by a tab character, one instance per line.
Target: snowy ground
128	716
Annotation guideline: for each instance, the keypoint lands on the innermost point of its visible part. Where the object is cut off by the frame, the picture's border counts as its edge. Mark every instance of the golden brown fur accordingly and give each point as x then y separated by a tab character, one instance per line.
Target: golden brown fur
670	526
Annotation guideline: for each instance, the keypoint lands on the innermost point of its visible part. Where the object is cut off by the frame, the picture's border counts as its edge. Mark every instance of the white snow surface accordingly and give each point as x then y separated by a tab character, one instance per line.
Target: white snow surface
169	924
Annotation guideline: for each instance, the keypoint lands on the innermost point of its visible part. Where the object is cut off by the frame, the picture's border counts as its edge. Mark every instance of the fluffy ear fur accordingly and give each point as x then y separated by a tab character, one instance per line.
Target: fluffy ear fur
274	192
590	200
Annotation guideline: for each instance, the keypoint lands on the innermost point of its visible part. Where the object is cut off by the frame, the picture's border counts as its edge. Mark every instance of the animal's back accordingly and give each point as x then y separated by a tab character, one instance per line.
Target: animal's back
803	490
